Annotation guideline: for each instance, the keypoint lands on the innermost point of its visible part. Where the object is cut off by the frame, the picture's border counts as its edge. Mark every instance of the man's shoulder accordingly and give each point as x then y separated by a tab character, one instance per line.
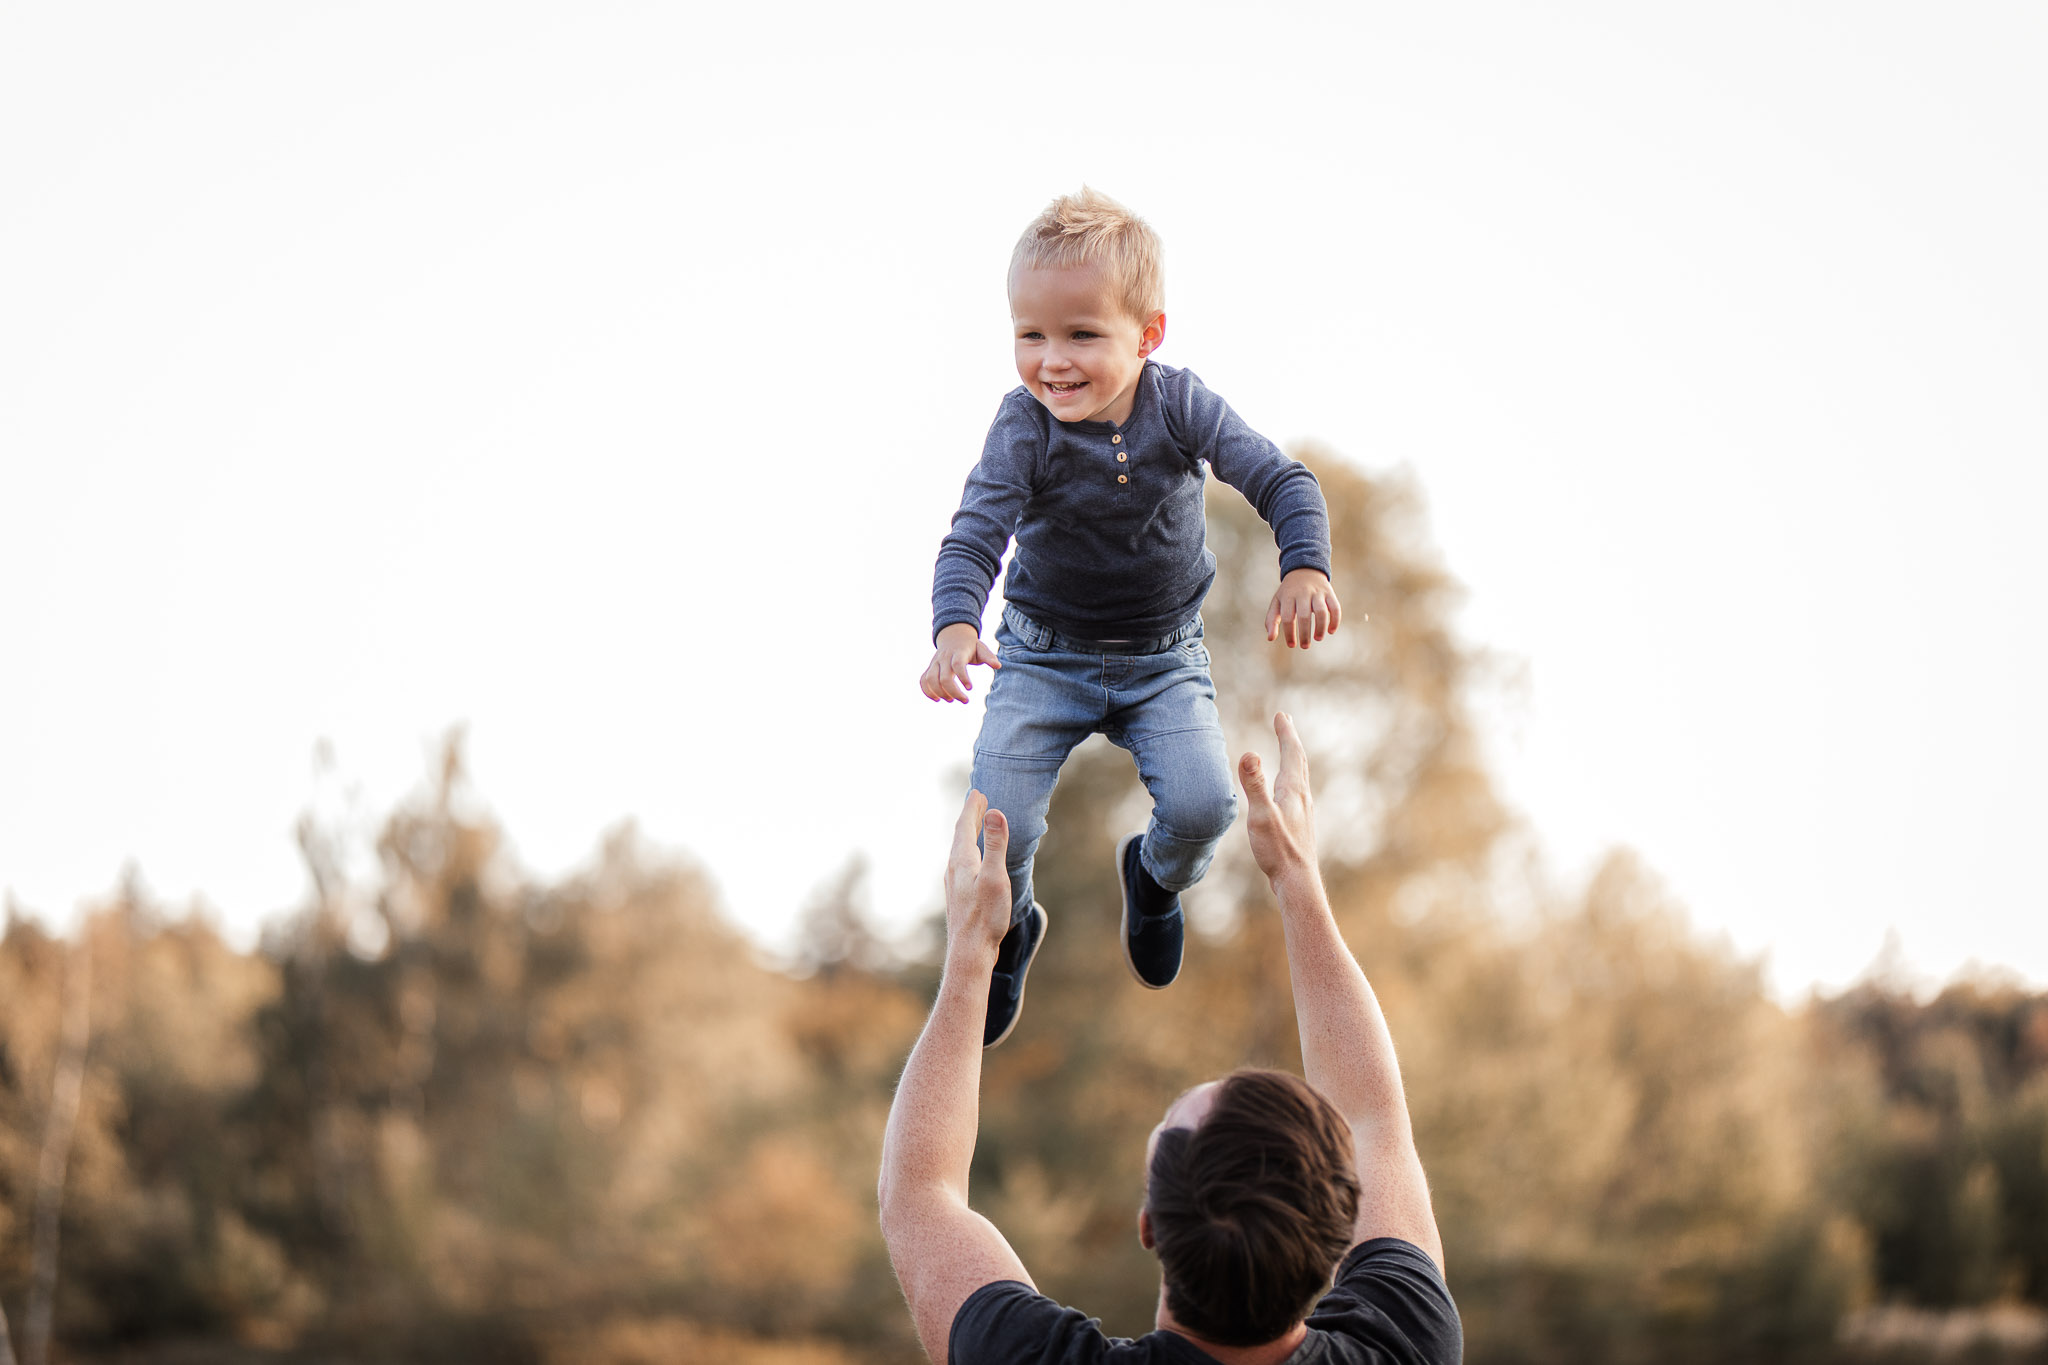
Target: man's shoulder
1010	1321
1389	1295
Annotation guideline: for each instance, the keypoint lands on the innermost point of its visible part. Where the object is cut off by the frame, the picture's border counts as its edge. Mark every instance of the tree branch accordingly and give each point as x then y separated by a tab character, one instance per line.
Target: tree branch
57	1134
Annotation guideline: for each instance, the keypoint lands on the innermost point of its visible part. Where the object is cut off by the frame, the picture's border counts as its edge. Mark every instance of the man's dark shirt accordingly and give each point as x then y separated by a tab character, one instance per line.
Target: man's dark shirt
1389	1304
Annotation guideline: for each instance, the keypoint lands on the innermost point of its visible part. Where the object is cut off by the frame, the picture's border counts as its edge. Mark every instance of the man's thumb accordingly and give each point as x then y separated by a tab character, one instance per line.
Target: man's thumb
995	837
1252	775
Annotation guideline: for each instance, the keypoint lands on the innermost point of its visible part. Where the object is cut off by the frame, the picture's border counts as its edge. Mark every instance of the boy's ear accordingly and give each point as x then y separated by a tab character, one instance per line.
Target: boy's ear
1152	336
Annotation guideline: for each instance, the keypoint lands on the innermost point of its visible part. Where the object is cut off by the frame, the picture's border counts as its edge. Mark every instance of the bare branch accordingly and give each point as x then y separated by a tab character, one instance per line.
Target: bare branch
57	1134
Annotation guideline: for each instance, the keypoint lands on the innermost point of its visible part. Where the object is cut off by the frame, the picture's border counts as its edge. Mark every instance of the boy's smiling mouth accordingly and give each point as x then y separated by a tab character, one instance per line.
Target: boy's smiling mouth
1066	388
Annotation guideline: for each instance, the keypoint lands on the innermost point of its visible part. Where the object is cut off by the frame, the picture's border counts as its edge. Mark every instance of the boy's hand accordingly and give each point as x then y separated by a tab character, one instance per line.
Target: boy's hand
1305	607
945	677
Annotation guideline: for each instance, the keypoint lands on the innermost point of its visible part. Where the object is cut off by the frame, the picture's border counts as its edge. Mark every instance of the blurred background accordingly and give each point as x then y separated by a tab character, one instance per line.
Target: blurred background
469	478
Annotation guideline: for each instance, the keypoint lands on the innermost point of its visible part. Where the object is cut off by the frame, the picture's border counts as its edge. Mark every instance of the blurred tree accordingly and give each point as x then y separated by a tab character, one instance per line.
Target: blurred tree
450	1112
504	1105
1948	1164
67	1081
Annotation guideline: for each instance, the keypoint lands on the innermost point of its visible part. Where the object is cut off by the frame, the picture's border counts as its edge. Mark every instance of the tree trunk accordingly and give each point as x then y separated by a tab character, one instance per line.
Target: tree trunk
57	1132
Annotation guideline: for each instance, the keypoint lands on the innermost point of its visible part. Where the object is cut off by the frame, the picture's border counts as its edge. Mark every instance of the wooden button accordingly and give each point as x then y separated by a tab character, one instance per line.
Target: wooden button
1116	440
1123	478
1122	455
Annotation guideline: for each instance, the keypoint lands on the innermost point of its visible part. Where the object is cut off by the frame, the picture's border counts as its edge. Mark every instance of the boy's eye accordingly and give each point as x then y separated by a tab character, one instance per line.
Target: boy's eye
1032	336
1084	336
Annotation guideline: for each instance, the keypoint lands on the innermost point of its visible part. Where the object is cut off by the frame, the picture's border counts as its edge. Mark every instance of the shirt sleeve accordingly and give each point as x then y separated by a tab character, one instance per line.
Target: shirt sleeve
1285	493
971	555
1007	1323
1389	1296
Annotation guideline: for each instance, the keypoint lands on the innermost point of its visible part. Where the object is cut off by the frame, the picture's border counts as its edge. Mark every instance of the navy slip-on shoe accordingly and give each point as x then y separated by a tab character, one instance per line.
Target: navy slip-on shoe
1006	986
1153	931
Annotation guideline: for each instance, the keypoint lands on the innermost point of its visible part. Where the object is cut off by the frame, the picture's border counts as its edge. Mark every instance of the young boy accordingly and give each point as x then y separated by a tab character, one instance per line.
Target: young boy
1094	464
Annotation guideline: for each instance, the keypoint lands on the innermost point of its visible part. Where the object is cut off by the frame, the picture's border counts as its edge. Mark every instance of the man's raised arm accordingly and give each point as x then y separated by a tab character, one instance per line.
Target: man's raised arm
942	1250
1346	1051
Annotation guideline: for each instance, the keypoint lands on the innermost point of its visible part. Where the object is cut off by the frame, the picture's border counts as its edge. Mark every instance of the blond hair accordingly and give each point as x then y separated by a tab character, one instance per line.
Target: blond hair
1090	228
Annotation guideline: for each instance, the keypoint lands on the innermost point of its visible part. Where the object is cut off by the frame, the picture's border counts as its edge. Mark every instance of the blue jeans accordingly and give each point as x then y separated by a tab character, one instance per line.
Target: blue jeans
1156	701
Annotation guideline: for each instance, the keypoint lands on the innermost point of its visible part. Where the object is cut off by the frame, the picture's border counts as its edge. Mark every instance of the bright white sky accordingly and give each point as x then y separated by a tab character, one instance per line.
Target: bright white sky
601	378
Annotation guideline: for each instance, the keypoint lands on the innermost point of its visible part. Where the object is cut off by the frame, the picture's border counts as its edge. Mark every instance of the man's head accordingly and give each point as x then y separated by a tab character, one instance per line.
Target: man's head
1087	300
1250	1202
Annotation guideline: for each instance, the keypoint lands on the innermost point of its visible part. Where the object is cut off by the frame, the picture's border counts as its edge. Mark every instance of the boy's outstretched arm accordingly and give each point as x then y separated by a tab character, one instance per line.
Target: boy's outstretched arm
1284	493
959	645
941	1249
1304	607
1346	1051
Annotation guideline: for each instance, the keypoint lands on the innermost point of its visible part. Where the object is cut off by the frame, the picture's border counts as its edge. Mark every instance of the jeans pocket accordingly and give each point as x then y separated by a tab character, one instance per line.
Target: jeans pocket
1020	630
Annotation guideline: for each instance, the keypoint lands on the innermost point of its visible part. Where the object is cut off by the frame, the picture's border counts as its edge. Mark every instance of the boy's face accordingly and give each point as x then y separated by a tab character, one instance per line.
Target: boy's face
1078	351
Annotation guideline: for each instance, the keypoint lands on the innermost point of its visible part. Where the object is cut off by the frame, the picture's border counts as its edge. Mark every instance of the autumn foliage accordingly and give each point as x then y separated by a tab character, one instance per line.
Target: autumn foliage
450	1111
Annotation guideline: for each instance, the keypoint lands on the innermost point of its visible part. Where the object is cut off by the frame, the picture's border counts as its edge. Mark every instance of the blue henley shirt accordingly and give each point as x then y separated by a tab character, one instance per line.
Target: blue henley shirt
1108	517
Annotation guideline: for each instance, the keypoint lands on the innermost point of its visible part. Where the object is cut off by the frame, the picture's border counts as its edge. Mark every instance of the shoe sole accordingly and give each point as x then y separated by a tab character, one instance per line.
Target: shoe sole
1123	931
1023	979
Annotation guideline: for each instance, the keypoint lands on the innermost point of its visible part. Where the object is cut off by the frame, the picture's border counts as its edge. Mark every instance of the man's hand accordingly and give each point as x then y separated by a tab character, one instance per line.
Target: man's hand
943	1250
1305	607
1346	1050
945	677
977	882
1281	822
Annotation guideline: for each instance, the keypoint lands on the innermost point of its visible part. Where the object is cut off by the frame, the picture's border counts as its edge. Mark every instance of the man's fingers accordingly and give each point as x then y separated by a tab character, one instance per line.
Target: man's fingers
969	824
1293	758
